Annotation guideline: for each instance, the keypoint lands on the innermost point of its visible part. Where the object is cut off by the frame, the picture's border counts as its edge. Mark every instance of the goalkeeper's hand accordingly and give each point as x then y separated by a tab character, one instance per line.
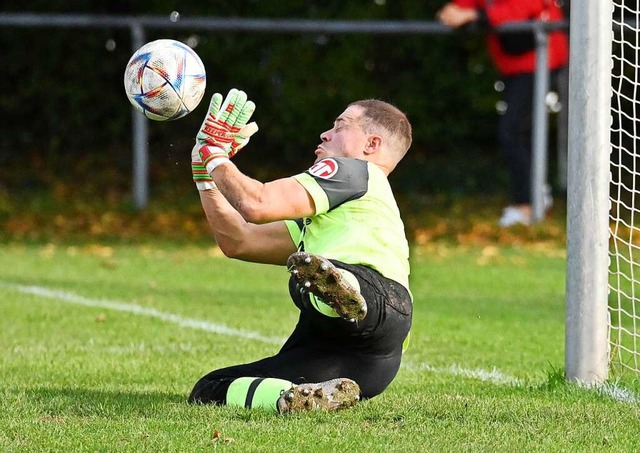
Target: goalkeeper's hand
224	130
200	175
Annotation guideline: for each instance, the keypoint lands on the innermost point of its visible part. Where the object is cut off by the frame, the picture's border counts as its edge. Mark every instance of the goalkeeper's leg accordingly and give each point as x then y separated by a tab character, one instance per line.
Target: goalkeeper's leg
333	291
255	385
280	395
309	360
321	349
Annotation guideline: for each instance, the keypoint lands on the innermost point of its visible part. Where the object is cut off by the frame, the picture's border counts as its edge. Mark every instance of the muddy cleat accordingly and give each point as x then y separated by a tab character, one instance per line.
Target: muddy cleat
324	280
330	395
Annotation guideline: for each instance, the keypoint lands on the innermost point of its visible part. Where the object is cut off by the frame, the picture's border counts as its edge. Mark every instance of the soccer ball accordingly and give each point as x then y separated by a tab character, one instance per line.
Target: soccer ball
165	80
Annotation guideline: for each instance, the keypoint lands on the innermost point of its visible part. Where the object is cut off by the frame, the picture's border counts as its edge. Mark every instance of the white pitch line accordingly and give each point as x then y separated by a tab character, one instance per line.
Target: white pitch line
71	298
495	376
618	393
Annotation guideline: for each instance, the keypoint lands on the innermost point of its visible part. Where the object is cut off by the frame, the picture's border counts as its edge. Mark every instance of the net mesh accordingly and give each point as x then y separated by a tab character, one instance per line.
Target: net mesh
624	249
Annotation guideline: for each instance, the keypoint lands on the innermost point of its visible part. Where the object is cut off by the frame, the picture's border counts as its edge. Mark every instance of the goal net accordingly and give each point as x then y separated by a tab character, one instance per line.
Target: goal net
624	216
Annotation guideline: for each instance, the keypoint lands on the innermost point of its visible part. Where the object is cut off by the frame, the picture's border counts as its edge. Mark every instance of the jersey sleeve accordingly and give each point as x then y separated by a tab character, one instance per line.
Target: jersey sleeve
334	181
295	229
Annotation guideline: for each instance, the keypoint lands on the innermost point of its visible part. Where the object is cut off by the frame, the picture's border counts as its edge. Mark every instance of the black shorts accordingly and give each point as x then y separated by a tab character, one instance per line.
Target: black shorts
322	348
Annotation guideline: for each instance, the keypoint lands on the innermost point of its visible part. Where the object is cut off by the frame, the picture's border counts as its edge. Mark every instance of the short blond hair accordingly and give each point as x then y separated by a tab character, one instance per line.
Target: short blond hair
379	115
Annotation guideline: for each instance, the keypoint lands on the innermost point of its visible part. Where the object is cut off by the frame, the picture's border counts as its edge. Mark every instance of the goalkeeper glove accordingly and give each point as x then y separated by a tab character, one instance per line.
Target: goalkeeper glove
202	179
224	130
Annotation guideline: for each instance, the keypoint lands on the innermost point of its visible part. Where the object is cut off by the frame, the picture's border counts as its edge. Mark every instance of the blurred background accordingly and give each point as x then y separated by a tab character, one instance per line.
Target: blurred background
66	146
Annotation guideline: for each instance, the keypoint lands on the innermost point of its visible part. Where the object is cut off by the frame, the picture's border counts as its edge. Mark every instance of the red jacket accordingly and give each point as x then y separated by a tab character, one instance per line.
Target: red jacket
502	11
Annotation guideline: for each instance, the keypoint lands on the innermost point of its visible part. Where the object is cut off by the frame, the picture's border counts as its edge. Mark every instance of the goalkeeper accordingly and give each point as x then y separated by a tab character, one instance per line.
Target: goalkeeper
338	230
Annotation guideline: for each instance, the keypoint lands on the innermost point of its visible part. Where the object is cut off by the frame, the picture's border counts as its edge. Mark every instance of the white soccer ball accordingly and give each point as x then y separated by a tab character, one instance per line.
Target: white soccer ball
165	80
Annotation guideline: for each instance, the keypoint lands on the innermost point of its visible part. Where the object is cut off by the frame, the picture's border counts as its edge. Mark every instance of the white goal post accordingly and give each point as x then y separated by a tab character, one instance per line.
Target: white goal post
586	334
603	192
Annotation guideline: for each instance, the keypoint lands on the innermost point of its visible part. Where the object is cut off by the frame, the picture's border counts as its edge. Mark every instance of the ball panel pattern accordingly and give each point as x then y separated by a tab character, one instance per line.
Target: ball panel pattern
165	80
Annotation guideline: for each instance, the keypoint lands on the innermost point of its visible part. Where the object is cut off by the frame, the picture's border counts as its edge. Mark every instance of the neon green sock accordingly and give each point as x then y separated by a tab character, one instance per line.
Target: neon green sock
325	309
251	392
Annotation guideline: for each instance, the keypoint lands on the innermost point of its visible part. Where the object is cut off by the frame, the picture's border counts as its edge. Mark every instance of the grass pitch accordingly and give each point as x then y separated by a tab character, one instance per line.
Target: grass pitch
102	344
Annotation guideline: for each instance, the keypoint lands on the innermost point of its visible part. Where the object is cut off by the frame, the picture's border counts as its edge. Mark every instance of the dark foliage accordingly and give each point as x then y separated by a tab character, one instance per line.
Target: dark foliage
66	118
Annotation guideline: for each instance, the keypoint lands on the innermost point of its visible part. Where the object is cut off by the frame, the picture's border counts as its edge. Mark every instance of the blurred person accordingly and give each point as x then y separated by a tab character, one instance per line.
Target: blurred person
337	228
514	56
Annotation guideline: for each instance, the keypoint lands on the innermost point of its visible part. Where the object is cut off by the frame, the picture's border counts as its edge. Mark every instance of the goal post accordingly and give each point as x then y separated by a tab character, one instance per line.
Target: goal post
589	147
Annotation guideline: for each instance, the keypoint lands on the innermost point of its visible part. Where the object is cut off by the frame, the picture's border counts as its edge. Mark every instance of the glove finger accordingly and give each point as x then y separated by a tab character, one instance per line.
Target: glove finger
228	105
247	131
244	115
237	109
214	105
241	139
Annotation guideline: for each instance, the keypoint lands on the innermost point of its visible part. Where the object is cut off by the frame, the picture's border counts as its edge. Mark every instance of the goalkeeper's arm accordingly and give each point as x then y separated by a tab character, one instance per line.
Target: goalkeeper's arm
270	243
259	202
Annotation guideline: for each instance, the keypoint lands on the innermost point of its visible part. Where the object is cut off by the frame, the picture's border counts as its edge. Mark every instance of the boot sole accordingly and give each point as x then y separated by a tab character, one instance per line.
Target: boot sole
336	394
319	276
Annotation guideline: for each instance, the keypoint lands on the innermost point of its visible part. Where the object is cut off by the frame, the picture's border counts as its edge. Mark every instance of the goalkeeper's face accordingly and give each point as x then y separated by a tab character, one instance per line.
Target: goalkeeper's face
346	138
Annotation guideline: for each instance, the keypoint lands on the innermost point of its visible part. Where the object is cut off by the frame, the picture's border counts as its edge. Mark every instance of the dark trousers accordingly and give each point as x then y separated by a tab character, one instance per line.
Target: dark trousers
322	348
514	134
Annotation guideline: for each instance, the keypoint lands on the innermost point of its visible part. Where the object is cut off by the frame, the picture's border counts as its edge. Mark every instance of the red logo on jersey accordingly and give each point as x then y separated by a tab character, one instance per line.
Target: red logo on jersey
324	169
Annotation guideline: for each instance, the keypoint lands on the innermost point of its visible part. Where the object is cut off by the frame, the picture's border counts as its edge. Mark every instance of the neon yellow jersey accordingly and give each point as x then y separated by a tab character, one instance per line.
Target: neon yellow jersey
357	219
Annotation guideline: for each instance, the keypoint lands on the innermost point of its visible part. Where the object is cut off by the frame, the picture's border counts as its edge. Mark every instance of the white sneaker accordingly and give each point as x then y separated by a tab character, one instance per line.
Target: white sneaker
513	216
